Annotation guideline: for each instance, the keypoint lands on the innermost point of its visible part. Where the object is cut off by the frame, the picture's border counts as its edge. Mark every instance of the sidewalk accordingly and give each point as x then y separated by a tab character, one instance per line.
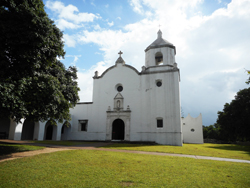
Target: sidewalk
95	146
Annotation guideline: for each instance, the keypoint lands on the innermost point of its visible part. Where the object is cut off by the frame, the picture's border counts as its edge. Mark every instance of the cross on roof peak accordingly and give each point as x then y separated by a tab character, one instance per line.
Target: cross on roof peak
120	53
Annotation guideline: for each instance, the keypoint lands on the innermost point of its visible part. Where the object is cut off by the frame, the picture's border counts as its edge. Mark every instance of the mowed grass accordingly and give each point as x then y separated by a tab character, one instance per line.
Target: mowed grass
6	149
214	150
61	143
92	168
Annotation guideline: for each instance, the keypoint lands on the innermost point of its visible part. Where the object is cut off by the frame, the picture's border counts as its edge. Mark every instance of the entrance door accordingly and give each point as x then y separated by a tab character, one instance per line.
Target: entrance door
49	132
118	130
28	130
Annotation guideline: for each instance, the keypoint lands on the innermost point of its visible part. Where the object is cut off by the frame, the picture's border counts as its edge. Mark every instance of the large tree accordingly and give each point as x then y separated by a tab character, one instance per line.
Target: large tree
34	84
234	120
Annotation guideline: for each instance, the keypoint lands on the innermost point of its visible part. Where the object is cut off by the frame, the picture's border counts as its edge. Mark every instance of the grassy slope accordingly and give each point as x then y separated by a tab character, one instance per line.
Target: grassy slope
214	150
61	143
6	149
86	168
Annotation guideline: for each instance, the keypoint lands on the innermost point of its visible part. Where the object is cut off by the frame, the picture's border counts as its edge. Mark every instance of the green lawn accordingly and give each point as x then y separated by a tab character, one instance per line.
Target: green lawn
61	143
91	168
214	150
6	149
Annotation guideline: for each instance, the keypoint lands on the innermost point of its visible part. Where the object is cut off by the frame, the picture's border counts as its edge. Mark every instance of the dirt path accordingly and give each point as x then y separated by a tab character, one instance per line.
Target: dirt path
95	146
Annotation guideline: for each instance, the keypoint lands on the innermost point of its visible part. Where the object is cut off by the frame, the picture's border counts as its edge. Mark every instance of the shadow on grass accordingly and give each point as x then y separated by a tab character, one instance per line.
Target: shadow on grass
118	145
7	149
243	148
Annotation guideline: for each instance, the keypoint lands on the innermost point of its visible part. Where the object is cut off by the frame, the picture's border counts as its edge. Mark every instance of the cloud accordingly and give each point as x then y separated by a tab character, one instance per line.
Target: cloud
69	16
111	23
137	7
69	40
212	50
76	58
63	24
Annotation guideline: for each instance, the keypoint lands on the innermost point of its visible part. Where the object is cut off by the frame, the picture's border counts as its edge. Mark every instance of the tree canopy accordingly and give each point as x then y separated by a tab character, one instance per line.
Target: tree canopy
234	120
34	84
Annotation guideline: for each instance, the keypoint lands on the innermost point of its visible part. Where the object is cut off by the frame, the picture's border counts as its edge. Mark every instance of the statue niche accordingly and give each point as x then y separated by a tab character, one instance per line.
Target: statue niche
118	102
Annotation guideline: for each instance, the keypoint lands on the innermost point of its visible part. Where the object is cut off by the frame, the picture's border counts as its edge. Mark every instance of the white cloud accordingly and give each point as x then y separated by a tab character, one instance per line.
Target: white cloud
63	24
76	58
212	51
69	40
137	7
69	16
111	23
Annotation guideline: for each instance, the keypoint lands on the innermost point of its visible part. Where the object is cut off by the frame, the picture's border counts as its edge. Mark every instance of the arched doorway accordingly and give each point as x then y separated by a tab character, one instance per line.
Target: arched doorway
28	130
49	132
118	130
50	127
65	131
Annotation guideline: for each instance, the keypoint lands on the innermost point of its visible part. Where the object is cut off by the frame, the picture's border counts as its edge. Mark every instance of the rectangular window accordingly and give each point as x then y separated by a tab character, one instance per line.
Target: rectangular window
83	125
159	123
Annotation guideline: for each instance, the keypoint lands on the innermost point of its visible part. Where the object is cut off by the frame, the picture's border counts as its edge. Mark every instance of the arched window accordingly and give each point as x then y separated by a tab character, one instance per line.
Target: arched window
158	58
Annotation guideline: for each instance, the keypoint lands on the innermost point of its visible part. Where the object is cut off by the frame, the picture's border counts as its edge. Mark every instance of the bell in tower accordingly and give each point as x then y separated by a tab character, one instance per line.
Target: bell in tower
160	52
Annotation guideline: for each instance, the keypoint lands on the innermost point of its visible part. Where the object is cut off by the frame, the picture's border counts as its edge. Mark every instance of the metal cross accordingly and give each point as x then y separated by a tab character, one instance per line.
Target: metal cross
159	26
120	53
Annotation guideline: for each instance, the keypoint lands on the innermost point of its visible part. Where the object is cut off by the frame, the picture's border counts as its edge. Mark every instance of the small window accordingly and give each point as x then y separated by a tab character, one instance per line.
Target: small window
119	88
83	125
184	124
159	123
192	130
159	83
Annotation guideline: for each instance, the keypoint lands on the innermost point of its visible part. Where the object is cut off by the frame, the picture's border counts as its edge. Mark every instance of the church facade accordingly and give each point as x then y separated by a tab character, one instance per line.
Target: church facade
127	105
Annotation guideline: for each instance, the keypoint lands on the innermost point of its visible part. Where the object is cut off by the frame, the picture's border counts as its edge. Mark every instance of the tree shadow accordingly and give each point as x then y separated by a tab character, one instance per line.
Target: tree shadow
6	149
243	148
126	144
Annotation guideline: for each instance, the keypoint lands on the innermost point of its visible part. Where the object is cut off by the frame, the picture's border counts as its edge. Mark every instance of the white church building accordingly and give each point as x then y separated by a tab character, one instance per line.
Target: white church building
128	105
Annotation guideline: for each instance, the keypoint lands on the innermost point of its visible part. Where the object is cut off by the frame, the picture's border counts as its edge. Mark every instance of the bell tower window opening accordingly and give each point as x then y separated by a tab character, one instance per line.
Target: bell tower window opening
158	58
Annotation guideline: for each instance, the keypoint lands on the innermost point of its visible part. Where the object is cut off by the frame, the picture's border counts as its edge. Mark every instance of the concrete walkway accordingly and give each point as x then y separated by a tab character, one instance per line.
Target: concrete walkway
96	145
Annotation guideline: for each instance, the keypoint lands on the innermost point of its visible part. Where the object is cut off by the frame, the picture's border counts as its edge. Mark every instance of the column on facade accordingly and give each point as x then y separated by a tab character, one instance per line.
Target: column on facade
15	132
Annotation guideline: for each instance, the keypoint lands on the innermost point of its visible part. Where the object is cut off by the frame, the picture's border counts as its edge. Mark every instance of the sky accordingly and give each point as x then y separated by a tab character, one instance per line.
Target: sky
212	40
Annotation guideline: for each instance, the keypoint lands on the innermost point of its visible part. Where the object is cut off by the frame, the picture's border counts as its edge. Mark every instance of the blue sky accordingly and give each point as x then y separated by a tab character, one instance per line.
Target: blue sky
211	37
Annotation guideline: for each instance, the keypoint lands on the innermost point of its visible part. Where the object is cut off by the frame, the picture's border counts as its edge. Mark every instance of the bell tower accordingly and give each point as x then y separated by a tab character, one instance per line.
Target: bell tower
160	52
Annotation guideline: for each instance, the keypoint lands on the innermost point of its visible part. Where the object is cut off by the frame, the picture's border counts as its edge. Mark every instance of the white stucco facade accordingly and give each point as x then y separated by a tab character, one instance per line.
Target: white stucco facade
192	130
128	104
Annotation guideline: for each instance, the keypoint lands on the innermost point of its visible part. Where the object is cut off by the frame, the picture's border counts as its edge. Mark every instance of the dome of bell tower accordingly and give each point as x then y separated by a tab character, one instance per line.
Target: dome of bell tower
160	52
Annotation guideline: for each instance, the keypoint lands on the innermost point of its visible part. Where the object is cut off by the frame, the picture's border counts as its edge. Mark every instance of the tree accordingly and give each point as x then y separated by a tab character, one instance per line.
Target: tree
234	120
211	132
248	81
34	84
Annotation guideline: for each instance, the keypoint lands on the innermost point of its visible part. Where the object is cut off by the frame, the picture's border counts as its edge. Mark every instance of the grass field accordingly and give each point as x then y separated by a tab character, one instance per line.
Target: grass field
91	168
214	150
6	149
61	143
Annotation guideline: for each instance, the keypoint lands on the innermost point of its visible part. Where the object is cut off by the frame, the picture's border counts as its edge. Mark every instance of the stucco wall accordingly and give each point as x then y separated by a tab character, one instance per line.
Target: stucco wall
192	129
146	101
